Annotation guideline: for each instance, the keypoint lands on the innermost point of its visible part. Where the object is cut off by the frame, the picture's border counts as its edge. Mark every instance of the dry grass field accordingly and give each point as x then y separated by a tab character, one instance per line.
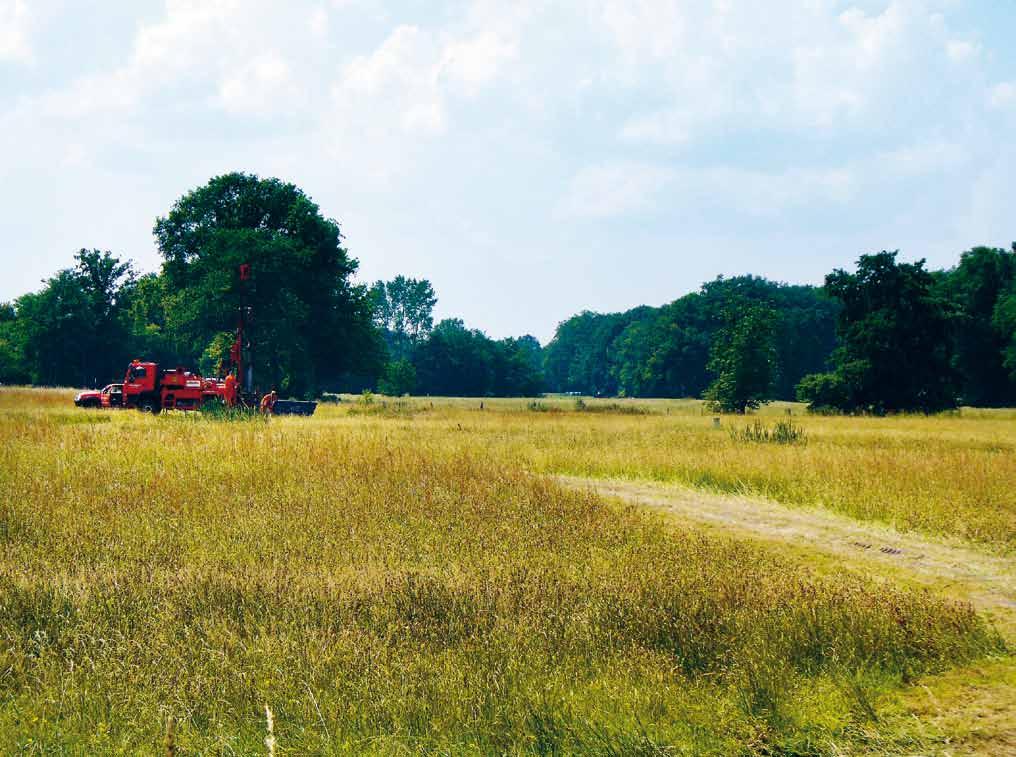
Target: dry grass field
397	577
950	474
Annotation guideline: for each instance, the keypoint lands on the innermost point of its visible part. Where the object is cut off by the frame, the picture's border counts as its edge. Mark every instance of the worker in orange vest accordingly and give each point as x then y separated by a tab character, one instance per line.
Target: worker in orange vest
268	403
230	390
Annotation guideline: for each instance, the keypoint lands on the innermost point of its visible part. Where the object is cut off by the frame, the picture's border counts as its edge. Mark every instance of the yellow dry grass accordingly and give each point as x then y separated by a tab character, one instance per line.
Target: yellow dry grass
396	580
949	474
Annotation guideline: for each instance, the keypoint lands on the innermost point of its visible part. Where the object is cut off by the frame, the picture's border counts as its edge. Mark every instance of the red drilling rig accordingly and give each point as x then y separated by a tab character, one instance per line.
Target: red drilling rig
152	390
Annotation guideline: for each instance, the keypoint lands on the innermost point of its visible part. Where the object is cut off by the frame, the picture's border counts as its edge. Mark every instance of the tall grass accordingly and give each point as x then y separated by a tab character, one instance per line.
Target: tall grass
390	584
948	475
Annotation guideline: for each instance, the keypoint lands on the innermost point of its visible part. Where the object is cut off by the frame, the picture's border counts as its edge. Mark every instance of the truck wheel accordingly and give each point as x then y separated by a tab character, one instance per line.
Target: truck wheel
149	407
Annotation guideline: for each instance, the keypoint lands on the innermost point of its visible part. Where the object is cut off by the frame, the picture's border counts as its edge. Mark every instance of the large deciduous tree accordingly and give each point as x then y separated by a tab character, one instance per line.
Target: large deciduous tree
979	289
311	325
404	311
743	358
73	331
895	350
12	360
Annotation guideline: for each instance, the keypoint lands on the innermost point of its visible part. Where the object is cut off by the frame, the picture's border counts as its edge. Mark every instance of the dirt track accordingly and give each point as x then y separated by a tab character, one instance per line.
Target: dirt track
987	580
972	707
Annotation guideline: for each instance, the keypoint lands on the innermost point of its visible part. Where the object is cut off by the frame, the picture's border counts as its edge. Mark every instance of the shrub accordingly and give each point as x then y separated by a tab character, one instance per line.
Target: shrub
823	392
784	432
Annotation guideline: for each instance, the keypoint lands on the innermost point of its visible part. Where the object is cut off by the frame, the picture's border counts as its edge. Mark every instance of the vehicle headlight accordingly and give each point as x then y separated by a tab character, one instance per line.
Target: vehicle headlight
77	396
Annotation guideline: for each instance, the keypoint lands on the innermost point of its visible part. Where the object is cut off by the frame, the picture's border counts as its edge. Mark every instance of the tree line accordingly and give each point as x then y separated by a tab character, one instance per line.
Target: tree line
886	336
889	336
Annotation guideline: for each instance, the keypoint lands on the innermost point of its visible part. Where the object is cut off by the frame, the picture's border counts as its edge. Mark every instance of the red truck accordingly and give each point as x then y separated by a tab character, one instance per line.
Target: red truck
152	390
109	396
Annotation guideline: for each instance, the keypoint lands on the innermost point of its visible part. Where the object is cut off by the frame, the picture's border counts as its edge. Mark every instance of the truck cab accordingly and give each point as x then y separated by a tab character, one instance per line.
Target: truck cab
139	387
152	390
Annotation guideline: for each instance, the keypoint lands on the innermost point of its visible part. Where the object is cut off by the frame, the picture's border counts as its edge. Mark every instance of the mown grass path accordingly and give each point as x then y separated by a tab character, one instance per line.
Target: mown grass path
974	706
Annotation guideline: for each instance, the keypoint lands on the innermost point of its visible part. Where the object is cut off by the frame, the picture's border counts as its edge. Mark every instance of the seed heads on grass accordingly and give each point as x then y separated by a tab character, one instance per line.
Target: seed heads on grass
270	729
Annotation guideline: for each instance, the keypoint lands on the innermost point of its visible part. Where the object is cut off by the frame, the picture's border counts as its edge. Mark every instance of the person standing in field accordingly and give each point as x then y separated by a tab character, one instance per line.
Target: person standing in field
268	402
230	390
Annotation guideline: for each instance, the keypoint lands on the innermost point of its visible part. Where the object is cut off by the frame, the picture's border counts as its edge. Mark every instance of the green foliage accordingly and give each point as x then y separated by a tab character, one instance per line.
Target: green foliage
399	378
1004	321
980	290
403	311
150	337
910	339
895	351
310	324
456	361
73	331
13	369
578	358
743	358
216	410
664	352
782	432
823	391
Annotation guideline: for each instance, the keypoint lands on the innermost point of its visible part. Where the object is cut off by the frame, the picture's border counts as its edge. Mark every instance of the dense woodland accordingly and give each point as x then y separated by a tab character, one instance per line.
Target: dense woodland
885	337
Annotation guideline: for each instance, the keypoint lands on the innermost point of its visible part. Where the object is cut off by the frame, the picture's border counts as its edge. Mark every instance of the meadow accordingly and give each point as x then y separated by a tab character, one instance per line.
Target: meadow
950	474
400	576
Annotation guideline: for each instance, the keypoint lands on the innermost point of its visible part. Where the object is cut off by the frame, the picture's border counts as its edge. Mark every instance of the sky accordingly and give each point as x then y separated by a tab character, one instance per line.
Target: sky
532	158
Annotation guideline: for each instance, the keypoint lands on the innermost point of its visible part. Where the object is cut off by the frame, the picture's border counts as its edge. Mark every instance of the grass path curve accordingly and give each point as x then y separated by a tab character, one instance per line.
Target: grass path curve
972	709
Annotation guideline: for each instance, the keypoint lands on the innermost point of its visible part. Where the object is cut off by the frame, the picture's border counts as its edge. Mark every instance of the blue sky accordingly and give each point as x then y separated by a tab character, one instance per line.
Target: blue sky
530	158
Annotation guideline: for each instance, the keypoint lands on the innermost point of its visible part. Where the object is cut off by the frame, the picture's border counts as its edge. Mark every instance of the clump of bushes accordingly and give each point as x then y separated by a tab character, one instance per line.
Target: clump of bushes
581	406
542	407
784	432
217	410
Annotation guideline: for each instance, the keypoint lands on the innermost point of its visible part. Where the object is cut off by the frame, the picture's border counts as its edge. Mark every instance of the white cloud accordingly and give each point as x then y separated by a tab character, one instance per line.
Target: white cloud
476	61
409	82
318	22
660	115
632	188
14	21
960	50
613	189
623	188
779	64
202	52
1002	95
257	87
644	29
397	82
922	158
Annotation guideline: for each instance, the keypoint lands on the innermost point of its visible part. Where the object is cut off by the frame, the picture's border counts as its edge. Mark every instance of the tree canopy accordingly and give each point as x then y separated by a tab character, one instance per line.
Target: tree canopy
665	351
311	324
981	291
404	311
457	361
743	358
73	331
895	351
